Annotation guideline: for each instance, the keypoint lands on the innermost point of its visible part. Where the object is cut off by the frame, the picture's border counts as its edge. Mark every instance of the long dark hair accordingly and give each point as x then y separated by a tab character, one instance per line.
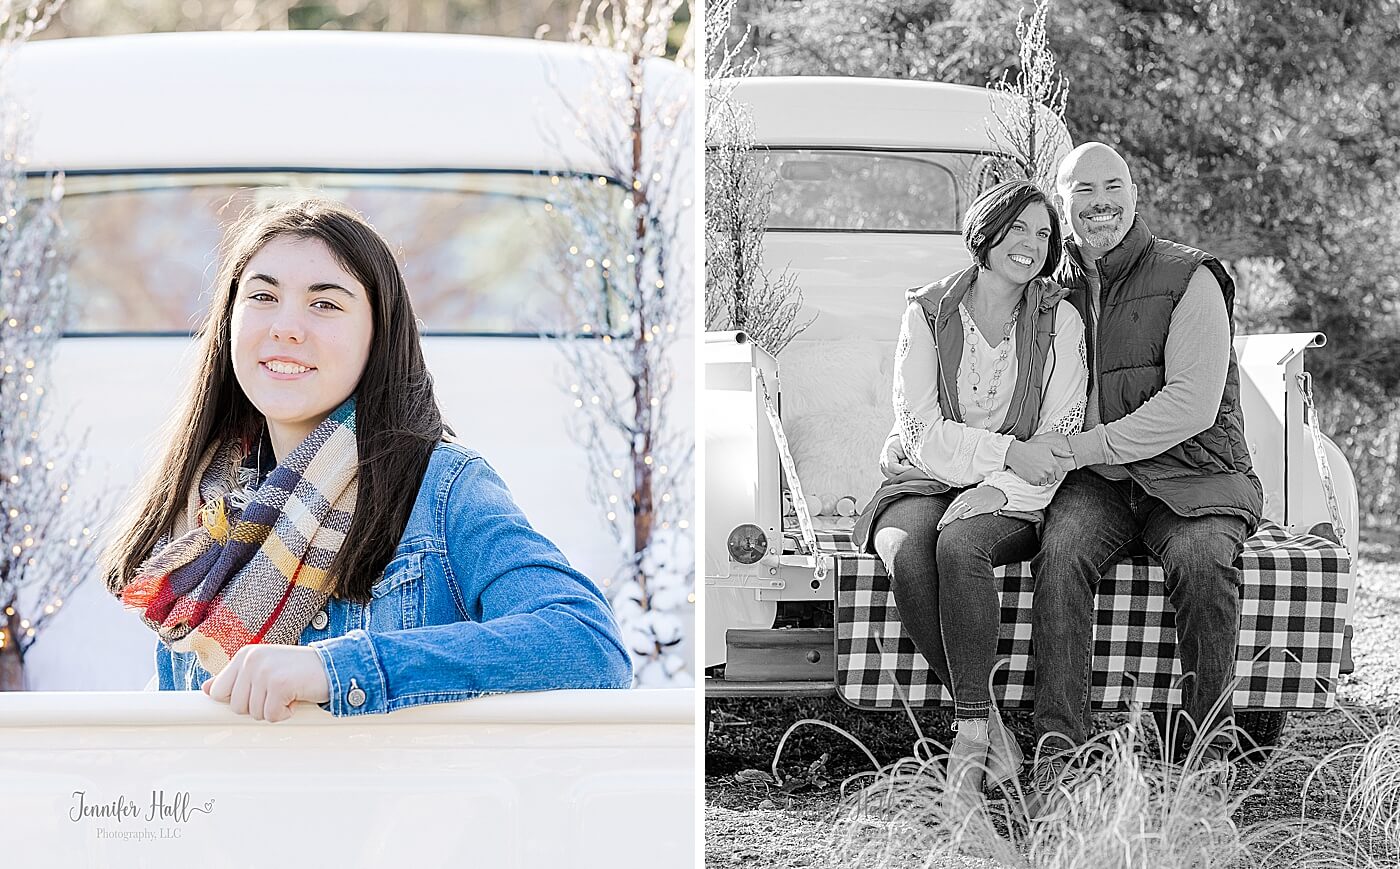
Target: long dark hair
989	218
397	418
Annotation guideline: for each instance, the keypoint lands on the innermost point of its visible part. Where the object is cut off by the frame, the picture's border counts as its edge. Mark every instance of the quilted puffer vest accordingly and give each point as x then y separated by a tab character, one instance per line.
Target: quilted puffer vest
1141	281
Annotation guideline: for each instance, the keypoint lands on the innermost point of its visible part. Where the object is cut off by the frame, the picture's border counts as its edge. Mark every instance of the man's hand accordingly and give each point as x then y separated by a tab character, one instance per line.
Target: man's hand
1039	463
265	680
973	502
1059	443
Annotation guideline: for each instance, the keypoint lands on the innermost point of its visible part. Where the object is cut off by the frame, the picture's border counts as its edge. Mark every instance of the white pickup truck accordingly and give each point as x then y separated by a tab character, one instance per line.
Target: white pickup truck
449	145
871	181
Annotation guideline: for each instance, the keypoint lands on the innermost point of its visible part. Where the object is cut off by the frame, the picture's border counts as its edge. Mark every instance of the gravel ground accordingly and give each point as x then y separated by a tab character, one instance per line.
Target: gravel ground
753	823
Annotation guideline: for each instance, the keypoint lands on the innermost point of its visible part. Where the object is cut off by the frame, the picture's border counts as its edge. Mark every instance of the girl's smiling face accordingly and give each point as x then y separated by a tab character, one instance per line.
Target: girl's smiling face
300	333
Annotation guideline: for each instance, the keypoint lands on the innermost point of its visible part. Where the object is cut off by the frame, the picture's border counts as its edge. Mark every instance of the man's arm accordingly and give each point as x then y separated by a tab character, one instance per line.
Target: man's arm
1197	359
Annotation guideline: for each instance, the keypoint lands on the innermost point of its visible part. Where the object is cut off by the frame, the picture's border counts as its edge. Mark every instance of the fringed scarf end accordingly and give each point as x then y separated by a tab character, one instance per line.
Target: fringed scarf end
142	592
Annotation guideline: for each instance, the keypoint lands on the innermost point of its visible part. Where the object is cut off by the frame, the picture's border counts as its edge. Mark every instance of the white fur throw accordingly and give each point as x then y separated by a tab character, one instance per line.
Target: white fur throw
837	413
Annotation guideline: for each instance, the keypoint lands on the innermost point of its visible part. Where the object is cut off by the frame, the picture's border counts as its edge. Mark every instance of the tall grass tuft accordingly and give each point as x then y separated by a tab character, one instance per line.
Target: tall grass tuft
1127	808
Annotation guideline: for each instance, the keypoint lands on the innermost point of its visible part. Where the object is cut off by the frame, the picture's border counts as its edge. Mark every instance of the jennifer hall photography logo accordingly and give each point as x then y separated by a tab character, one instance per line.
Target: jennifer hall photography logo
119	816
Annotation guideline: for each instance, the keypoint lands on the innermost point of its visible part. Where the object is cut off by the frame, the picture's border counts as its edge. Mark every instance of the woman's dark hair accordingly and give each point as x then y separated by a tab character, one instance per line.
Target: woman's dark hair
397	418
989	219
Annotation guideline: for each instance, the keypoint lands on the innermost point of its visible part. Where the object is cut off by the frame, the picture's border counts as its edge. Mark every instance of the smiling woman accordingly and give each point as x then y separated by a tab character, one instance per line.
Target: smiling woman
313	533
988	359
301	335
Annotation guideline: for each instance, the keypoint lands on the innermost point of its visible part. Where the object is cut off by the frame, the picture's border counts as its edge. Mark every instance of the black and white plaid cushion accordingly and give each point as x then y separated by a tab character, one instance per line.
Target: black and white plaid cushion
1293	607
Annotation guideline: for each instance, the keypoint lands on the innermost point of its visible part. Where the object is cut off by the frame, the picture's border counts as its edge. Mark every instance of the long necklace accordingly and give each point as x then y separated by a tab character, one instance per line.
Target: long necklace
986	398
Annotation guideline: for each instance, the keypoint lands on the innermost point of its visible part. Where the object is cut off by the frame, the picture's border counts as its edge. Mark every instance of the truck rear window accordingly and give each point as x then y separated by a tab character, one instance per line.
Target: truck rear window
474	246
868	190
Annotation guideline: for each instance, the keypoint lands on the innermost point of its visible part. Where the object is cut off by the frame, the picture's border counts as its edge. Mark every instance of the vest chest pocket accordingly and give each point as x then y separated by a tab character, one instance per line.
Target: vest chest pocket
396	600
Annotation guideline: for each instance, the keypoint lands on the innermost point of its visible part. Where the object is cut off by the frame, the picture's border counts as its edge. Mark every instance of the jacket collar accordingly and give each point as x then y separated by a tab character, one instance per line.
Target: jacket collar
1122	259
941	298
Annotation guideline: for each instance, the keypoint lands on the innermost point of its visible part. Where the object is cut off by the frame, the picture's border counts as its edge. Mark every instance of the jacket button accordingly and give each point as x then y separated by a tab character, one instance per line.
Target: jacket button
320	620
355	696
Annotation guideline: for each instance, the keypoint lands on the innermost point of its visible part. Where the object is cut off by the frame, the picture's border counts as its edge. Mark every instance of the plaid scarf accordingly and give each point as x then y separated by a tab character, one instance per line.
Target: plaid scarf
233	575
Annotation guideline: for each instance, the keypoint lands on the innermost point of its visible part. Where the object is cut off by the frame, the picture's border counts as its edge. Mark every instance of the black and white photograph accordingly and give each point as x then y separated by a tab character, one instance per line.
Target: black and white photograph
1051	431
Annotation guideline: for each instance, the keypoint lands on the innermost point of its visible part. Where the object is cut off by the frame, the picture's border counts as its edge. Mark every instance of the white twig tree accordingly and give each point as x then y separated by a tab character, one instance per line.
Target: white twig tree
1029	110
740	293
624	253
46	548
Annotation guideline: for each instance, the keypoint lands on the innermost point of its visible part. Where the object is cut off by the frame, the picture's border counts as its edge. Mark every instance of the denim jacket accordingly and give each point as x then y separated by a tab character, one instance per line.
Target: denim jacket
474	602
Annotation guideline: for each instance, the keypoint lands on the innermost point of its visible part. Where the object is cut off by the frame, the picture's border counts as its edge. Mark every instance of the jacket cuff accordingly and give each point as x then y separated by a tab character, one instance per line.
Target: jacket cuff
1089	447
356	679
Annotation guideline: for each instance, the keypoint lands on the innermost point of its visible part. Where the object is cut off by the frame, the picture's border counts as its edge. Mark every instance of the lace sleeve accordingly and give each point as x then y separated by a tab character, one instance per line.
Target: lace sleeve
912	429
1072	422
1065	398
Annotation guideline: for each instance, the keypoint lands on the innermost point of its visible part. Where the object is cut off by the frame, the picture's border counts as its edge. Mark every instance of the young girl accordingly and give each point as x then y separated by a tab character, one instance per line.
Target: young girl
987	359
310	534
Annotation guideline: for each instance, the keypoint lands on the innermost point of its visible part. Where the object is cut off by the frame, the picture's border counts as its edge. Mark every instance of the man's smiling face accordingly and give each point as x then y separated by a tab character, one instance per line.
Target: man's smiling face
1097	195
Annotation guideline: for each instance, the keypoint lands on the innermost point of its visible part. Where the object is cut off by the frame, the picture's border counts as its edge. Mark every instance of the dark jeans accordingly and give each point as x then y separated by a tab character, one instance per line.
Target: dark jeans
943	585
1090	525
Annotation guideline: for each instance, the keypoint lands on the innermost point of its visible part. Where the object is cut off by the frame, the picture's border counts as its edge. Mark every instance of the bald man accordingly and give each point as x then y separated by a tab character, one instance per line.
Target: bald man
1162	464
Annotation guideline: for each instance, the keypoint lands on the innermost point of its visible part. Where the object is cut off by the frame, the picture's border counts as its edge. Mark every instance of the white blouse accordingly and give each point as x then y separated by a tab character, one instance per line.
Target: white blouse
971	452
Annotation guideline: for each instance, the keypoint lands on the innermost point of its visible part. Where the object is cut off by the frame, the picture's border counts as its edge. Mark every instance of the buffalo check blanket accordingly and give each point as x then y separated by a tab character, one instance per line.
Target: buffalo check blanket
1293	613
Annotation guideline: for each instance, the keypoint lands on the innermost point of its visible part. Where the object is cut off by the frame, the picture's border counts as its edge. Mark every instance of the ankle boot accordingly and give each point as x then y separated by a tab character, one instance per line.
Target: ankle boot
967	763
1004	757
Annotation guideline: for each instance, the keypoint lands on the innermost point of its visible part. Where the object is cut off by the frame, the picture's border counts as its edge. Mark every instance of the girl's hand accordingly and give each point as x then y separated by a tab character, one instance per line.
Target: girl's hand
265	680
973	502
